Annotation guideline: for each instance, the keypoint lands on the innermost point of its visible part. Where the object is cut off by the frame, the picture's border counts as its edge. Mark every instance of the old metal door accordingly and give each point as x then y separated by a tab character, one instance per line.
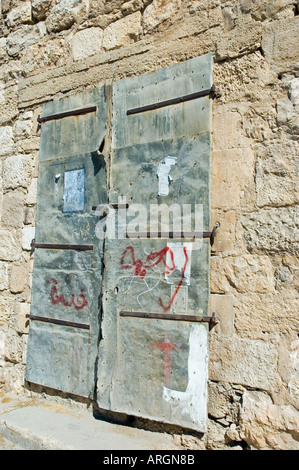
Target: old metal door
154	351
65	308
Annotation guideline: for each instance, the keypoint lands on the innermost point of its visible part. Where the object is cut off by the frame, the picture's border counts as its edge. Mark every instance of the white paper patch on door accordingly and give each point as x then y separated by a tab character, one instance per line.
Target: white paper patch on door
163	175
181	260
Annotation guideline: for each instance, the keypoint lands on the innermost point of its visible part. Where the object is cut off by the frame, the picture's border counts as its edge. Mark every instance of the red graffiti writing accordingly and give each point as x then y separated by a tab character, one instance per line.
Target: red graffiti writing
166	346
79	303
179	284
153	259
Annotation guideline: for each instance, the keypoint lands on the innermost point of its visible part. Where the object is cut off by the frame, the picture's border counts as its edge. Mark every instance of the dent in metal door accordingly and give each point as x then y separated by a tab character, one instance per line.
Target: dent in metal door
65	308
152	363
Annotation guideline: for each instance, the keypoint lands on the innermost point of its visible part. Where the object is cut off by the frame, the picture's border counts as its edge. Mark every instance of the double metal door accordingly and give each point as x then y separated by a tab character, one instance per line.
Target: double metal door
136	293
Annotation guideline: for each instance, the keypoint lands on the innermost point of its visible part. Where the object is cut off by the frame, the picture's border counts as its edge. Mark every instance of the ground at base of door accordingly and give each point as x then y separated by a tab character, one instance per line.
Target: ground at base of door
38	425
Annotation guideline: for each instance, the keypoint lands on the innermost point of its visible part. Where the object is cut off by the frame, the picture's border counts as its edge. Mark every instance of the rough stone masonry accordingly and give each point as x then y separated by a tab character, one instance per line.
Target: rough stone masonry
49	48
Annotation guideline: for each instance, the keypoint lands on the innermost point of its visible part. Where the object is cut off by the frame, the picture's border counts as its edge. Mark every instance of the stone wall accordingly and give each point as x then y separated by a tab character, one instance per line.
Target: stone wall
49	48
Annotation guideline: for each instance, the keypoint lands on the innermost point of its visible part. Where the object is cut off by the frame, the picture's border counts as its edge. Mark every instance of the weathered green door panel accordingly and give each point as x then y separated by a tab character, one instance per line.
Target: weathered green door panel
73	135
66	287
179	120
61	358
140	165
57	224
159	371
148	367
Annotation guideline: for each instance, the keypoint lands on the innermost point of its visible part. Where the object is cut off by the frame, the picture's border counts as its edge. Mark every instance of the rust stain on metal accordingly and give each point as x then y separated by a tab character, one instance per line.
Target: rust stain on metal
76	113
56	321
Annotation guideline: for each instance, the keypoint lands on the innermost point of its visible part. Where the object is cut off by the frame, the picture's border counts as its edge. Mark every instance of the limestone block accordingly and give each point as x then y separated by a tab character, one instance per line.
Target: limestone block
63	15
247	75
233	178
19	15
104	7
276	175
5	6
294	91
280	44
263	9
245	273
23	127
13	209
10	245
233	434
294	124
222	306
9	72
2	347
1	189
18	278
246	36
22	38
13	347
225	239
2	88
2	48
40	9
16	171
215	436
8	104
266	426
281	157
6	140
132	5
122	32
260	315
29	216
44	55
12	380
219	399
28	234
159	11
272	230
87	42
4	267
6	308
32	192
22	323
293	384
259	122
243	361
288	113
227	130
28	145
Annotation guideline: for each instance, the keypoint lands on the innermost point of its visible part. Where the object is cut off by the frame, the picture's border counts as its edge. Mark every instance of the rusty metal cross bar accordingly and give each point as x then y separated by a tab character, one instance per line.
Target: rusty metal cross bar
60	246
181	99
170	316
57	321
74	112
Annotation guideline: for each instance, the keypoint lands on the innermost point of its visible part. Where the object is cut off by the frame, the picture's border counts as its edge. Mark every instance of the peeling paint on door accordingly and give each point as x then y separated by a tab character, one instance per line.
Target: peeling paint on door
163	175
